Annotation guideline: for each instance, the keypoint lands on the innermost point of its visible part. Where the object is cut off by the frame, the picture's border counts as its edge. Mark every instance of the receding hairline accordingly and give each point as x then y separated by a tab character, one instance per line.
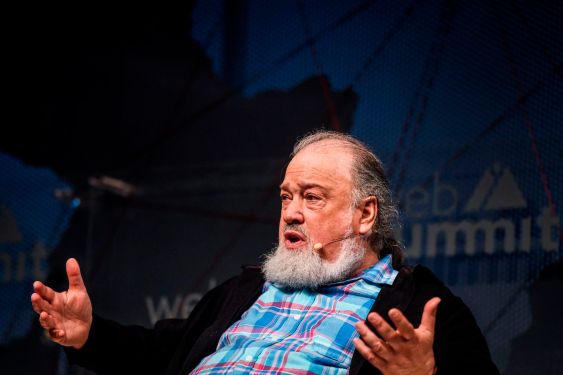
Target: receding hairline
330	137
346	159
330	145
326	138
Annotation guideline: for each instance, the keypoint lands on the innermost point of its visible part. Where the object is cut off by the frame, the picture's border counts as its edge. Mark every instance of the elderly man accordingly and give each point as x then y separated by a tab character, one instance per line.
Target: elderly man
332	298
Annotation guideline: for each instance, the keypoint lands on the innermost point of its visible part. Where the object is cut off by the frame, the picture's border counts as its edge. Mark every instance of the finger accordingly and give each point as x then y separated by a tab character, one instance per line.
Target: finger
369	355
367	334
373	342
383	328
429	315
404	328
46	320
39	304
74	277
56	334
35	303
44	291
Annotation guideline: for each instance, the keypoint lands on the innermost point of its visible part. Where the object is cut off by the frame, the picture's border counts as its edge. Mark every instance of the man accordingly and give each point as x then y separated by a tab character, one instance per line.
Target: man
332	298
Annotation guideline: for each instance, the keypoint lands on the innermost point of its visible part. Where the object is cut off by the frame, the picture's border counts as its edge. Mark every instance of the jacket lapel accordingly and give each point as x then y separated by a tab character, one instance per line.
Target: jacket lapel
397	295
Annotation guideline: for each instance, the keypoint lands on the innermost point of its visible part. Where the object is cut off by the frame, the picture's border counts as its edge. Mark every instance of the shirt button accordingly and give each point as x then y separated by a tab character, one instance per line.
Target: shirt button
249	358
296	316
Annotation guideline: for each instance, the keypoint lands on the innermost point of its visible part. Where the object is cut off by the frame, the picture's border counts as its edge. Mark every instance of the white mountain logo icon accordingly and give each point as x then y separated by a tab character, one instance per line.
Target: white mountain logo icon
496	190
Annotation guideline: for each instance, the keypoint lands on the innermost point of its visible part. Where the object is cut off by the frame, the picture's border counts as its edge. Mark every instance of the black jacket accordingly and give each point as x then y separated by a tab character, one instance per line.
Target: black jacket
176	346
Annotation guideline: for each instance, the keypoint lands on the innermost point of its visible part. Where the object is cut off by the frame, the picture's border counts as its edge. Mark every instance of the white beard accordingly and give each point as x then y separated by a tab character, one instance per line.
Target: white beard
304	268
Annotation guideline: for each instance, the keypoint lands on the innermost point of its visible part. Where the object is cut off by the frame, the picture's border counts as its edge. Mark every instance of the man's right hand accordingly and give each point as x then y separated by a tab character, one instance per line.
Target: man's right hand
66	316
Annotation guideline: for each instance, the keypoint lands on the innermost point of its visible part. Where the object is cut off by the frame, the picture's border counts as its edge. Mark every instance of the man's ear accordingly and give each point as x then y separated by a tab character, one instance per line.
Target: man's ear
368	211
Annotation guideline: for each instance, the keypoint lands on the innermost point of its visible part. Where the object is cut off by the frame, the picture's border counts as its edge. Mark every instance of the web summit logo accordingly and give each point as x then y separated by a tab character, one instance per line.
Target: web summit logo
496	219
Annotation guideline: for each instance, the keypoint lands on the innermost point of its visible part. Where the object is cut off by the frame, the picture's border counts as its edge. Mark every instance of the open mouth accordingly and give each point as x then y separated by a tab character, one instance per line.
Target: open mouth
293	239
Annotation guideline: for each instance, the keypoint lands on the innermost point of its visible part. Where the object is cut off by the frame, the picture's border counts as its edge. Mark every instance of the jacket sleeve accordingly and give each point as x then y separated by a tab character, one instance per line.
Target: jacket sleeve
459	345
113	348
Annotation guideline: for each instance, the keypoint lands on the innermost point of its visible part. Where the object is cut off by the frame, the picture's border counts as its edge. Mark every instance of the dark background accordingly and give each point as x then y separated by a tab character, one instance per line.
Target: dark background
148	142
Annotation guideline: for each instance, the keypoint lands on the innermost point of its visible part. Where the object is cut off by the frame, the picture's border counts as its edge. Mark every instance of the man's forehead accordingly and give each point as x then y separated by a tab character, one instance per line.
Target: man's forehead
322	164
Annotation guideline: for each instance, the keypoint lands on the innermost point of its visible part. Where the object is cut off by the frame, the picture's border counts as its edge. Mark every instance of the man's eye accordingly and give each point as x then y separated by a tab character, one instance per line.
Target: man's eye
284	197
312	197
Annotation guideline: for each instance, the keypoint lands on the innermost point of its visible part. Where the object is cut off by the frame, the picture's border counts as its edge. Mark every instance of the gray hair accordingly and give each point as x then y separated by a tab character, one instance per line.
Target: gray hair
368	177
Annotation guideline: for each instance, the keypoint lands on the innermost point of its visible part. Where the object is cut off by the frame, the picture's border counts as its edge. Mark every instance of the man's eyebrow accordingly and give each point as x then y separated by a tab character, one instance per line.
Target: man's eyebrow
304	185
308	185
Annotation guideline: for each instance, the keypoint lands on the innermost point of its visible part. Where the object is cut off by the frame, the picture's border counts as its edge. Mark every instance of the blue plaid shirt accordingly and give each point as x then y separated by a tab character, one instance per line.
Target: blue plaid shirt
299	331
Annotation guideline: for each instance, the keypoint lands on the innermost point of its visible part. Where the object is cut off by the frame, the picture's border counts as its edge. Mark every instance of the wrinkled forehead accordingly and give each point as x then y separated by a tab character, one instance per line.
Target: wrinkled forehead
327	158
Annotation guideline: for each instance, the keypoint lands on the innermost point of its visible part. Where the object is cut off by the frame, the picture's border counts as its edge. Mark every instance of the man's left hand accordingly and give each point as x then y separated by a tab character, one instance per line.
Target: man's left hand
404	350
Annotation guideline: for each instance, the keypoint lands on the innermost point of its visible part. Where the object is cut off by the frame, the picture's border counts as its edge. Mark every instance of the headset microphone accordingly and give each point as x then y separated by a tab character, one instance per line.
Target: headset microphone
318	246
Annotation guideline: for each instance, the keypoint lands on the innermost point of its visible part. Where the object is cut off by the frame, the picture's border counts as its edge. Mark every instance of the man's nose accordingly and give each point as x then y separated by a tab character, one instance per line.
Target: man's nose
292	213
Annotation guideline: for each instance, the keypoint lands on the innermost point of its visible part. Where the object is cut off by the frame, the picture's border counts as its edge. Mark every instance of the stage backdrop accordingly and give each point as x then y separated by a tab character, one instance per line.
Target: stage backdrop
152	150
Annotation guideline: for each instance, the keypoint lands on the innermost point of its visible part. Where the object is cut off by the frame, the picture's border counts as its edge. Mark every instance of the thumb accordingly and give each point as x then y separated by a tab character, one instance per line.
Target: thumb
429	315
73	273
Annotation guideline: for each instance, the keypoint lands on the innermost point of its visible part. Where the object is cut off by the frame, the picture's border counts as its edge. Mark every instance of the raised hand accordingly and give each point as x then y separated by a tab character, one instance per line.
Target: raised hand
404	350
67	316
